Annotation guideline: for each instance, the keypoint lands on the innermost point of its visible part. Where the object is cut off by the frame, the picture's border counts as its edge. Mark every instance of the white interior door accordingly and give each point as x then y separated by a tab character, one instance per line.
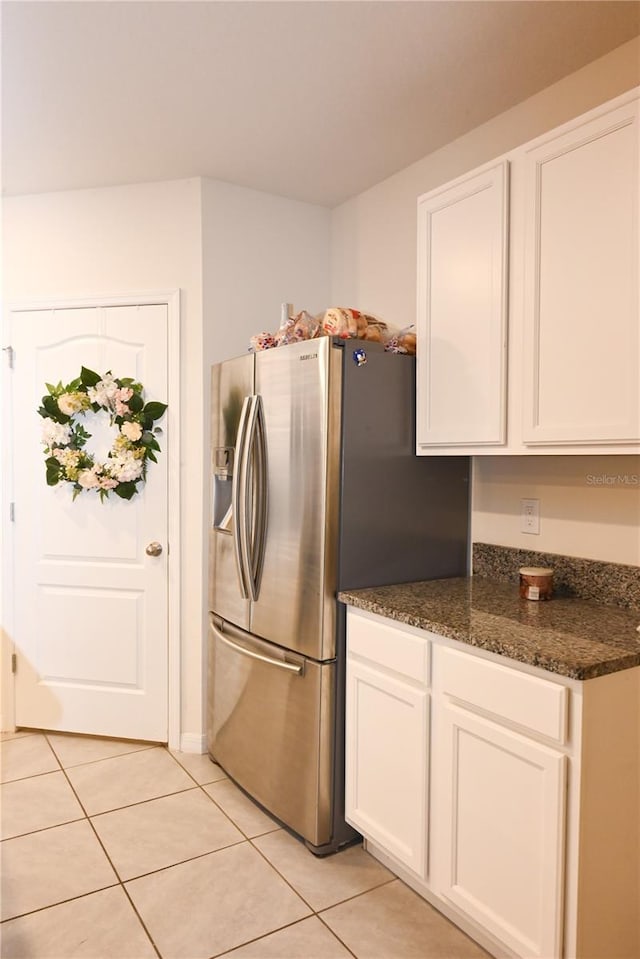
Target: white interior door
90	605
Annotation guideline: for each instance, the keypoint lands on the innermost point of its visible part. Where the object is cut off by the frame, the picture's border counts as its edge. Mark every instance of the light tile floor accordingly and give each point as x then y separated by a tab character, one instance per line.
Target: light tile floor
123	850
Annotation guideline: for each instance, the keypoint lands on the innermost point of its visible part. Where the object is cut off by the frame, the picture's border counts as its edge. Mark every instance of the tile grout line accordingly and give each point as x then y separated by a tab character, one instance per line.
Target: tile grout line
226	814
316	913
36	775
62	902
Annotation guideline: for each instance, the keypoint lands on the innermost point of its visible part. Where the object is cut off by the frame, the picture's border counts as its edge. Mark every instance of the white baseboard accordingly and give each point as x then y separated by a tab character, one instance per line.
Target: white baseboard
193	743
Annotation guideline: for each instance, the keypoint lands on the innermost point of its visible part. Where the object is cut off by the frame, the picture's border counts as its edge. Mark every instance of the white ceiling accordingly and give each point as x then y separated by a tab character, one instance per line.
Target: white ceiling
312	100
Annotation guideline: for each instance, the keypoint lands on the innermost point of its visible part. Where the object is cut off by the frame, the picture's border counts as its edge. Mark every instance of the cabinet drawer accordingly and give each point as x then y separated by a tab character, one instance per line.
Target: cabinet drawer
392	647
528	701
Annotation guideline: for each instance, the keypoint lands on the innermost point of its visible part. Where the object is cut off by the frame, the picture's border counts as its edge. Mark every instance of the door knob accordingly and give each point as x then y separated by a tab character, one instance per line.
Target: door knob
153	549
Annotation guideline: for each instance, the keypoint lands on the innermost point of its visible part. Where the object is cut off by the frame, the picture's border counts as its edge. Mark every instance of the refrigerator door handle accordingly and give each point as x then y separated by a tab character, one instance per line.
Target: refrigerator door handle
255	493
290	667
238	496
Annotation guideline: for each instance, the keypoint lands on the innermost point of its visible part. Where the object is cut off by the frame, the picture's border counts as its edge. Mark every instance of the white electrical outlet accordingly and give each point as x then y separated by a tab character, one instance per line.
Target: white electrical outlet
529	515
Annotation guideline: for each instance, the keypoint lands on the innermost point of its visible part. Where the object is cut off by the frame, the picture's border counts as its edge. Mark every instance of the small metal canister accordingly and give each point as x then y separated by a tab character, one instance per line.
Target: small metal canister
536	582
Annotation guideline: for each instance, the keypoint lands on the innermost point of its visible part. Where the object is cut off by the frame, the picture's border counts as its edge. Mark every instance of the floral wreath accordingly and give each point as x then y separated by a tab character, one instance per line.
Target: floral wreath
64	436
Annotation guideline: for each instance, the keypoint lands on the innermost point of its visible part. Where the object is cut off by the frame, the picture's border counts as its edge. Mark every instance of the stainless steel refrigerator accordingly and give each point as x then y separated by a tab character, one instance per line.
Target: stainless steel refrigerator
314	488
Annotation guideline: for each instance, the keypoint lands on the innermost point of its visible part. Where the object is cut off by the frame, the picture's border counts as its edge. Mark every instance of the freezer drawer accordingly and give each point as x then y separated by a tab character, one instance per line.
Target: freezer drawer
270	726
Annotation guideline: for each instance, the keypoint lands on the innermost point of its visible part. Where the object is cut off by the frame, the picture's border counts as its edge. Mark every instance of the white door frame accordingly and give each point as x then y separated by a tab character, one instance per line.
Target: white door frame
170	299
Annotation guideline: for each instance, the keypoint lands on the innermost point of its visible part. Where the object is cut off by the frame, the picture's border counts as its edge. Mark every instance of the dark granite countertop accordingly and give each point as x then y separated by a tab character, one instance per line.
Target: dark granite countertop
571	637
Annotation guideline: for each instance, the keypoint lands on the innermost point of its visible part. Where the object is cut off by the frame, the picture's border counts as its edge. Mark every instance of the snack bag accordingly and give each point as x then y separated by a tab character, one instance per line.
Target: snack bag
346	323
404	341
305	326
284	334
377	330
261	341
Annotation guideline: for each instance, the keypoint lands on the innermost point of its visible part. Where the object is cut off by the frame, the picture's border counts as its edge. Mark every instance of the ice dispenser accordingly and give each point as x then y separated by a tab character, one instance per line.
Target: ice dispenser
222	486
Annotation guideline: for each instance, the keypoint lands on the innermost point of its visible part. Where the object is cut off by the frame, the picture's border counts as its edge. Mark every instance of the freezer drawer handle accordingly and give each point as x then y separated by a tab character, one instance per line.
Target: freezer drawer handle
291	667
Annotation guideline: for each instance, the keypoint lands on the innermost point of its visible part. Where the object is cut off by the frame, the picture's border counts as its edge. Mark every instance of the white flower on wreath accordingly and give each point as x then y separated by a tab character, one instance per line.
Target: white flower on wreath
68	458
108	482
133	431
121	401
126	467
88	479
70	403
104	392
55	434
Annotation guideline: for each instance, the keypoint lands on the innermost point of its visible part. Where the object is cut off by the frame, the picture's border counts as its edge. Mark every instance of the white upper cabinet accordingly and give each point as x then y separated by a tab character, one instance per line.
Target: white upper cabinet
561	372
462	307
582	349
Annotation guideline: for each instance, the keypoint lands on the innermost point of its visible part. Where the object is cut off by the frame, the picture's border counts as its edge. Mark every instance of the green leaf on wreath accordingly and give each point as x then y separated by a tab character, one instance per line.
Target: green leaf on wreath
136	403
125	490
51	406
148	439
154	410
88	377
151	456
53	470
80	438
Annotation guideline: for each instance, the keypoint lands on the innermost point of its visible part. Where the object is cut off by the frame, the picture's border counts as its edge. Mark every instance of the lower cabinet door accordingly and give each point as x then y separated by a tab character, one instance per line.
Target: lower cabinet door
387	723
500	823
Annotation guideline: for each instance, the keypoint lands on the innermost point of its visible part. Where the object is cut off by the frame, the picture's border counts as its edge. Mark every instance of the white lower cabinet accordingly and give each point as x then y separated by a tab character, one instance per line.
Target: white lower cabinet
513	804
386	794
498	824
387	722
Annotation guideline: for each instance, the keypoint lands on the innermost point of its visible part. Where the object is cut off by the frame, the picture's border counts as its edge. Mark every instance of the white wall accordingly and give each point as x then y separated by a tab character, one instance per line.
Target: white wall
259	251
373	266
589	505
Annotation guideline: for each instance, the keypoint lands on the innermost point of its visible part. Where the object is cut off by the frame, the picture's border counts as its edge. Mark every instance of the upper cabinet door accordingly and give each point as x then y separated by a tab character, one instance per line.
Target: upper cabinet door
462	312
581	336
